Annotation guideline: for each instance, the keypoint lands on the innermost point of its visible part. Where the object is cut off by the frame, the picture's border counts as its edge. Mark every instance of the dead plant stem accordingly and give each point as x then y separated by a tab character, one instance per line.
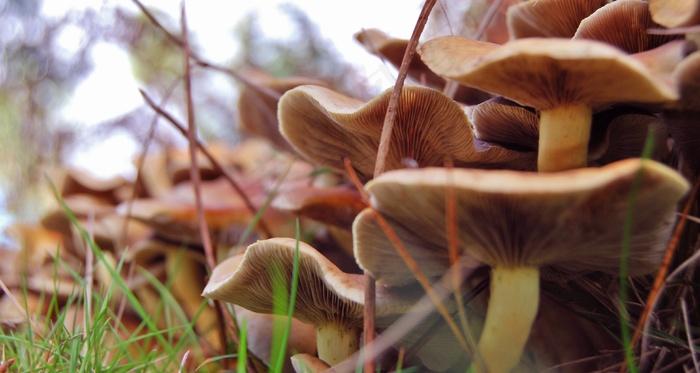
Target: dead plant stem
665	264
194	171
382	151
217	166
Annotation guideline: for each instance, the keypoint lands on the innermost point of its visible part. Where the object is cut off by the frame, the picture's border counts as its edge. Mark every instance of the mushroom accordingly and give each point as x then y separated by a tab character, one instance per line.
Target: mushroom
391	49
327	298
564	79
675	13
174	215
257	105
564	224
325	126
336	206
548	18
624	24
305	363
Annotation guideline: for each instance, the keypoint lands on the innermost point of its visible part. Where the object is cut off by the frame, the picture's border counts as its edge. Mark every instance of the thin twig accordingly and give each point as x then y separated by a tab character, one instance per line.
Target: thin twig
195	176
407	258
21	309
453	250
488	17
217	166
200	61
382	151
194	171
681	268
693	354
418	314
390	117
663	270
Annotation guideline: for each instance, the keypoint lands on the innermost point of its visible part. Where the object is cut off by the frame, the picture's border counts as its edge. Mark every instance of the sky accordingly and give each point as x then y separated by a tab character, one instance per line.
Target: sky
211	23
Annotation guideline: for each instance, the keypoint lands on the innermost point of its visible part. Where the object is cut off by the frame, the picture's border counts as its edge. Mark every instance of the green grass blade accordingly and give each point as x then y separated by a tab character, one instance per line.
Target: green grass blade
279	361
242	347
624	270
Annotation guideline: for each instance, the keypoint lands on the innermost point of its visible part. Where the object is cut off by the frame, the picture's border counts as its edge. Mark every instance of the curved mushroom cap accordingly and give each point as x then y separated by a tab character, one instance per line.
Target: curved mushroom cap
257	106
545	73
82	205
675	13
336	206
325	126
624	24
502	121
174	215
571	221
305	363
619	134
549	18
78	181
392	49
325	294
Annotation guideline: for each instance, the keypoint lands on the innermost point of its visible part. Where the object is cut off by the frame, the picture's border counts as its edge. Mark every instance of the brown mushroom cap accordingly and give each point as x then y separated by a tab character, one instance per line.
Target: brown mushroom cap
502	121
325	294
544	73
325	126
257	109
336	206
624	24
326	297
569	220
675	13
392	50
548	18
564	79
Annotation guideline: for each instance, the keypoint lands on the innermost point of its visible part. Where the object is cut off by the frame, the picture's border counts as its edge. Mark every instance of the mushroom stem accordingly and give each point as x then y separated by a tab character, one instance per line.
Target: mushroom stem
511	311
564	134
335	343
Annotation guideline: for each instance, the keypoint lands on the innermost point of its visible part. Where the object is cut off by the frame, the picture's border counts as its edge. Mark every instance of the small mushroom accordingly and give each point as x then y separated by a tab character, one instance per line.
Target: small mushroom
564	79
174	215
392	50
327	298
519	223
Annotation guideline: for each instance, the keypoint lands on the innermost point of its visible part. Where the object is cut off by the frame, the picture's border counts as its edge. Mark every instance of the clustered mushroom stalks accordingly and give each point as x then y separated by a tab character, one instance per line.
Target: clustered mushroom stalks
543	173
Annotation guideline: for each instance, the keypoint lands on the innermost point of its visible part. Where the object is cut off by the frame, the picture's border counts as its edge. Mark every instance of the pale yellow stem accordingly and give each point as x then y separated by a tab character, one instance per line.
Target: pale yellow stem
336	342
511	312
564	134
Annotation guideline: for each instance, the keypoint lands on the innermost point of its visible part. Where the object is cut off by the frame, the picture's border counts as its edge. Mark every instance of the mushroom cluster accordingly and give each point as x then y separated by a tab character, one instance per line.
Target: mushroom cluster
544	174
536	164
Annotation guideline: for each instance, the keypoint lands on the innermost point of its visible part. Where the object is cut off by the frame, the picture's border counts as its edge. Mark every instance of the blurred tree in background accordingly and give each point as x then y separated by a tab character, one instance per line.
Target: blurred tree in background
39	72
36	78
